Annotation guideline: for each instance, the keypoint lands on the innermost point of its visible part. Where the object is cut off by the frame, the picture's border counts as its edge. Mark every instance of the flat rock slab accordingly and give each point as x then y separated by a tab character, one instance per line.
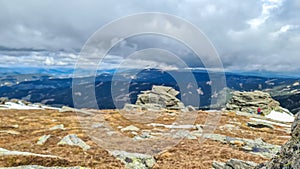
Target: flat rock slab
5	152
259	124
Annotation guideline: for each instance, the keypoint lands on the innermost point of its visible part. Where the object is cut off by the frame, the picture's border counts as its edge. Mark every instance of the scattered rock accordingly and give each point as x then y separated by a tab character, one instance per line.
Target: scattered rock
134	160
58	127
97	125
229	127
73	140
130	128
184	134
259	124
42	140
257	146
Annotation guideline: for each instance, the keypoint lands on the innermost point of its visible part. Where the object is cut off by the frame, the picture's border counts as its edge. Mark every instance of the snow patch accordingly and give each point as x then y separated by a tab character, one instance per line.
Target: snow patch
11	105
21	106
278	116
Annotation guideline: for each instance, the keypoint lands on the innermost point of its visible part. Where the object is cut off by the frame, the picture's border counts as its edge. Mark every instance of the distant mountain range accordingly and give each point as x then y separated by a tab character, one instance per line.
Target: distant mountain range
54	87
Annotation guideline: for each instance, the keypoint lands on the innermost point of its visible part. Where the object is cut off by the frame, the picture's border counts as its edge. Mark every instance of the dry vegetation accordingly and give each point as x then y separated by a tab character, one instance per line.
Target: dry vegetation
32	124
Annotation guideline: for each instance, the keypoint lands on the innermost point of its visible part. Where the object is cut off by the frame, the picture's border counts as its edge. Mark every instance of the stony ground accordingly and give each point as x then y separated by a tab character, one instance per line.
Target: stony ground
21	129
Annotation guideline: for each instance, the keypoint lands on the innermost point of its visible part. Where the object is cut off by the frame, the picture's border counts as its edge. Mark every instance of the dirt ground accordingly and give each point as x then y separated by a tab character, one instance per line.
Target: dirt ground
29	125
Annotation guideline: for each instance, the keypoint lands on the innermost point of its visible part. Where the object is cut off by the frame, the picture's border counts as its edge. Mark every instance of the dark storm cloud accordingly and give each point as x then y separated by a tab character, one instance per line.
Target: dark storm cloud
249	35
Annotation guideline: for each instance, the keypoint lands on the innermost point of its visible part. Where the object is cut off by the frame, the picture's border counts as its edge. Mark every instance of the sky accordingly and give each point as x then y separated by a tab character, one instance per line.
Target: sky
256	35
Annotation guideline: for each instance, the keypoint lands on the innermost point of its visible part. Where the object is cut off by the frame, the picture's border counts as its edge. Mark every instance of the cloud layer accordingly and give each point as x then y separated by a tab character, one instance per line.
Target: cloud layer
249	35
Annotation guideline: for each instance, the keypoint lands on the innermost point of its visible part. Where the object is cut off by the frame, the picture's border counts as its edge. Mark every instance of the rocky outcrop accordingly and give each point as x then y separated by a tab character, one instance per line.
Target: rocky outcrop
288	157
160	97
250	101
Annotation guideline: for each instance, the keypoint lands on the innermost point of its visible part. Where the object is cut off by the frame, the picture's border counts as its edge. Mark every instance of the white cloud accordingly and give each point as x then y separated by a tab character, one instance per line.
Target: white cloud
267	7
284	29
249	35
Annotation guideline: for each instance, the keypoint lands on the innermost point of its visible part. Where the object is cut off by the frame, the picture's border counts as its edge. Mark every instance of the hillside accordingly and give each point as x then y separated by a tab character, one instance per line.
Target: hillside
21	130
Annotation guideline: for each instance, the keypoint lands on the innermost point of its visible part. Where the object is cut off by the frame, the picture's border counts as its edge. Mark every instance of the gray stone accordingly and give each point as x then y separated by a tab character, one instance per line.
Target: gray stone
218	165
239	164
73	140
216	137
97	125
163	89
58	127
130	128
42	140
134	160
184	134
258	124
229	127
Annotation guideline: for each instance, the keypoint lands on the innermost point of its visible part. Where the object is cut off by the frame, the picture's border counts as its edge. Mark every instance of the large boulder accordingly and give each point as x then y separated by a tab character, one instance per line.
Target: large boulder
250	101
158	98
289	156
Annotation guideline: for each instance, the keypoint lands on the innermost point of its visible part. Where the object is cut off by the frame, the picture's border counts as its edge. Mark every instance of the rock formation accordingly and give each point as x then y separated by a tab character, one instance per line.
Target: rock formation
289	156
250	101
160	97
